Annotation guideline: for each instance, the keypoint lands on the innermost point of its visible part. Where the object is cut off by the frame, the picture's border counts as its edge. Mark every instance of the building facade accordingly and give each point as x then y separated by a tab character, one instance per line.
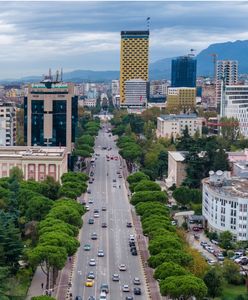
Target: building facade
225	204
173	125
183	71
7	124
50	115
136	92
35	162
234	103
181	98
227	71
134	58
176	168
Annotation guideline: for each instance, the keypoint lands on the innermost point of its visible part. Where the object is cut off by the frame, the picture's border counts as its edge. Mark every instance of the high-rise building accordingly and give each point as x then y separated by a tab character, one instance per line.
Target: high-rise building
115	87
234	103
183	71
181	98
7	124
134	58
136	92
226	73
50	114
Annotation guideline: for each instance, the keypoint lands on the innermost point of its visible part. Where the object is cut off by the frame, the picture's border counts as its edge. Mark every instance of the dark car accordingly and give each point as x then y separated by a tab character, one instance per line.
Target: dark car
91	221
104	208
131	244
104	288
137	291
134	252
104	225
129	224
133	248
78	298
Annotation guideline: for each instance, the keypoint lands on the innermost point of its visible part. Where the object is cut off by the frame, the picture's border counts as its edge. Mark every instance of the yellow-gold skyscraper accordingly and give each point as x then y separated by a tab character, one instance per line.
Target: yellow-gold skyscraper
134	58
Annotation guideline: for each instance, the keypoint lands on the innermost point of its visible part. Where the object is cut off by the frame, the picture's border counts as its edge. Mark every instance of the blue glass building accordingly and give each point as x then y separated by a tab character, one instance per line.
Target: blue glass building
183	72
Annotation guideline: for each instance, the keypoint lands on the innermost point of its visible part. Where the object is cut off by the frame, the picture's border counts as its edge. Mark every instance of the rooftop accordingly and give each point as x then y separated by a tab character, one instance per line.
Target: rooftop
181	116
27	151
178	155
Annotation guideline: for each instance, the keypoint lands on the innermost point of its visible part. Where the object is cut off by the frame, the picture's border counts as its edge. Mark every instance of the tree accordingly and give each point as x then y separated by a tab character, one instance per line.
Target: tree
43	298
147	185
48	257
50	188
221	161
162	163
145	196
168	269
230	128
185	286
185	195
136	177
66	214
225	239
38	207
163	242
231	272
15	174
214	282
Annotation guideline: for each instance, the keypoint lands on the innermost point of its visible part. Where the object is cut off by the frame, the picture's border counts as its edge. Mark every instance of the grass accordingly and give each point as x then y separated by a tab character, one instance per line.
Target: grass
230	292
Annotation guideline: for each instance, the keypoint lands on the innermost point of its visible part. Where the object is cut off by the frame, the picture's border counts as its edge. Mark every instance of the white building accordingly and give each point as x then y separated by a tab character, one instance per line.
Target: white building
234	103
135	92
35	162
115	87
174	125
225	204
226	70
7	124
89	102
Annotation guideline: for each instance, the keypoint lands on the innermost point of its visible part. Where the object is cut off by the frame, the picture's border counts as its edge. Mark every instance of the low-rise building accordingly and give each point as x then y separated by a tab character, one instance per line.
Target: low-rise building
176	168
225	204
35	162
174	125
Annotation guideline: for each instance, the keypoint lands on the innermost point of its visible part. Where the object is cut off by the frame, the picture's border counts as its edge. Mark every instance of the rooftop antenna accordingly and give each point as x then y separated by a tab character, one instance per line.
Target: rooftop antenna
61	74
148	23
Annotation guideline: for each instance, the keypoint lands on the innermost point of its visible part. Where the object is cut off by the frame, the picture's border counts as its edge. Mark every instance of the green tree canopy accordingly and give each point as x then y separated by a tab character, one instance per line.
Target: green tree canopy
137	177
168	269
148	196
214	282
147	185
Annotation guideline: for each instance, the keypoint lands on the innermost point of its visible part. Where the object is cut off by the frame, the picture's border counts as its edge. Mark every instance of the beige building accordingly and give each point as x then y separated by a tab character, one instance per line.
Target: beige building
180	98
174	125
35	162
176	168
50	114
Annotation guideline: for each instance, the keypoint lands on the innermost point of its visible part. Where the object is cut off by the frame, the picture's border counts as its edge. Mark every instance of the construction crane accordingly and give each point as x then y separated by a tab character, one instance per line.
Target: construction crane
192	52
148	23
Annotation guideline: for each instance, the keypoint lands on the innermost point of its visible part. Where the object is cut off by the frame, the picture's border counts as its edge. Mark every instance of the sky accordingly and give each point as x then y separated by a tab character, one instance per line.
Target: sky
86	34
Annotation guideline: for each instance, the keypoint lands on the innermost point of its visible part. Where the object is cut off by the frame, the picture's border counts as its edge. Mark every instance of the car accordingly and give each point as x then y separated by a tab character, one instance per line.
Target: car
118	172
91	298
78	298
96	215
91	173
94	236
129	224
103	296
100	253
114	180
114	185
89	191
134	252
90	181
104	288
136	281
210	249
89	282
243	260
87	207
125	288
133	248
115	277
92	262
120	176
104	208
203	243
122	267
104	225
173	223
91	201
116	158
87	247
211	262
215	242
96	210
129	298
131	244
220	257
91	221
91	275
137	291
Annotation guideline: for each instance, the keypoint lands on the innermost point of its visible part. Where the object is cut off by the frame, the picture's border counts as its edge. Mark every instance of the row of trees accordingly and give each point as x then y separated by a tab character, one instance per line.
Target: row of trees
178	269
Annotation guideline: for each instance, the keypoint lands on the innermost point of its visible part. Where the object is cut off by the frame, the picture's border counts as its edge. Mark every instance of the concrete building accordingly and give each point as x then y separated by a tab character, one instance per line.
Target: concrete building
174	125
134	58
115	88
225	203
234	103
226	70
181	98
238	161
35	162
176	168
183	71
89	102
136	93
158	88
50	114
7	124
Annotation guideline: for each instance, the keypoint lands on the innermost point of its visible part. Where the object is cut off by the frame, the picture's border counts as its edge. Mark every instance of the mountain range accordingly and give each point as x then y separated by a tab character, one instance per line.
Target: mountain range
161	69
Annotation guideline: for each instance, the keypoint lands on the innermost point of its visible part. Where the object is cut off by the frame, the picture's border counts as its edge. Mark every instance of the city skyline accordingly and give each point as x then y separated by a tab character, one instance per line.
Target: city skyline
86	35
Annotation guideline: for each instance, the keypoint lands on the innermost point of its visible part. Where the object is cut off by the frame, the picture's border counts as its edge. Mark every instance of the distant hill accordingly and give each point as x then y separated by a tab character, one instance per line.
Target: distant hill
161	69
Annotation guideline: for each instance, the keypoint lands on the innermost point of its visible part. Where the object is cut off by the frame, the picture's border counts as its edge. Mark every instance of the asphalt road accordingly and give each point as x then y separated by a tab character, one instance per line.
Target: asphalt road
113	239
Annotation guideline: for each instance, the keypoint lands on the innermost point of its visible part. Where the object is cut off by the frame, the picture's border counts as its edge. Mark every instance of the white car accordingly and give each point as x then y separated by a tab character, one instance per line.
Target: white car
100	253
91	201
125	288
92	262
96	215
240	259
87	207
122	267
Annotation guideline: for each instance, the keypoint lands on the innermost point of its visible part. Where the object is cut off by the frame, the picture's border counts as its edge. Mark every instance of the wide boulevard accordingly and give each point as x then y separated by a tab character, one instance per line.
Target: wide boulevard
114	239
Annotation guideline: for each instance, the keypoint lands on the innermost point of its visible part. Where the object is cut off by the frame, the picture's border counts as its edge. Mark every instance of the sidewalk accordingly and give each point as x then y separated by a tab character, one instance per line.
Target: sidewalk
35	287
